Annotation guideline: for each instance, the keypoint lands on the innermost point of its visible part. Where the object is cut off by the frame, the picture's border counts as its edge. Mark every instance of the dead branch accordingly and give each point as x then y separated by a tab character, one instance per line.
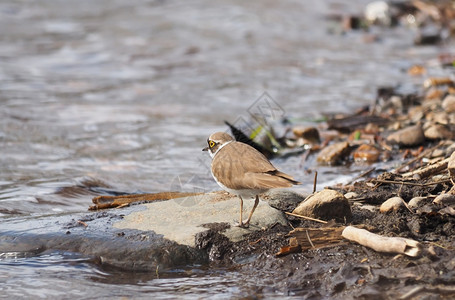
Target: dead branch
411	183
309	238
103	202
306	218
428	170
382	243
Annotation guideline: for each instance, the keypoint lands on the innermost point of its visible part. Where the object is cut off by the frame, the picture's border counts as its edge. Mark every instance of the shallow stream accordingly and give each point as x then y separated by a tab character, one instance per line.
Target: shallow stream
121	95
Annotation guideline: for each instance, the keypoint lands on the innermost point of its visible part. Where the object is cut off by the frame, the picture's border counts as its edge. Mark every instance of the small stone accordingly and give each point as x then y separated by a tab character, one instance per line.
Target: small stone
438	117
309	134
438	132
416	113
448	104
444	200
392	204
416	202
451	166
366	153
334	153
326	205
437	153
378	12
410	136
351	195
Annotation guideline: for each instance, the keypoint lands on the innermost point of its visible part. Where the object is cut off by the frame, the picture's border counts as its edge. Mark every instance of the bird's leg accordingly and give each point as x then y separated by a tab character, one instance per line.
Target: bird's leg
241	212
241	224
256	202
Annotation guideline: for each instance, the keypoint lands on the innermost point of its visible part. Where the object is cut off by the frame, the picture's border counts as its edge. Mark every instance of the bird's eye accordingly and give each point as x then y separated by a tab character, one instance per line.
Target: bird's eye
211	144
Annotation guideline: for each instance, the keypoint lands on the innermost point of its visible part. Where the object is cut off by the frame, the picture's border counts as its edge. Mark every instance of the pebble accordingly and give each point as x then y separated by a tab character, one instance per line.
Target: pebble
444	200
332	154
366	153
326	205
448	104
409	136
440	117
416	113
392	204
351	195
416	202
438	132
378	12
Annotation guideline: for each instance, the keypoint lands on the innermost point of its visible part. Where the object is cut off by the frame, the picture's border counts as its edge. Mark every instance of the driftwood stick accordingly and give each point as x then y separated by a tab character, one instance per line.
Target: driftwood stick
381	243
419	157
411	183
429	170
310	238
306	218
315	181
103	202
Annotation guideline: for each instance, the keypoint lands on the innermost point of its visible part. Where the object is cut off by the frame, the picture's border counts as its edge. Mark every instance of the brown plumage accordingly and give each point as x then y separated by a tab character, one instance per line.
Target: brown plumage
243	167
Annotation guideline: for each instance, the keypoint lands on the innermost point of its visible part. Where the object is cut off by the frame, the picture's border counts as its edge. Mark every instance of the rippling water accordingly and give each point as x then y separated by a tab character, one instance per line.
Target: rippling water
121	95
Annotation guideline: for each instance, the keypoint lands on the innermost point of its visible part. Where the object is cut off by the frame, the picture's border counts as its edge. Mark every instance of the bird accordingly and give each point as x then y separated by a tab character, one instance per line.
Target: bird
243	171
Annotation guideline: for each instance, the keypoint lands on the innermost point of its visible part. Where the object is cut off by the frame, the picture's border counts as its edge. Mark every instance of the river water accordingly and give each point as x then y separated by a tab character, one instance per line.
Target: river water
121	95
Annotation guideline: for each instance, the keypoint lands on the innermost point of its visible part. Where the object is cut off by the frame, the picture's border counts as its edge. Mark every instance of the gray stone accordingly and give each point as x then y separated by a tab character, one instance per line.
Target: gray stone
181	219
93	235
326	205
141	237
409	136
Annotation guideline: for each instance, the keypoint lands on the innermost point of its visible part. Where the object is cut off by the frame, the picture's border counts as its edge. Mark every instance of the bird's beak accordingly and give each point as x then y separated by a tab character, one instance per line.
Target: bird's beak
205	149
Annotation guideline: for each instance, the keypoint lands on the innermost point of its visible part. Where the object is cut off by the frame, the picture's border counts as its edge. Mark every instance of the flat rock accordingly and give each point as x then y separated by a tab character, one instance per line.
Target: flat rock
332	154
326	205
140	237
409	136
92	235
180	219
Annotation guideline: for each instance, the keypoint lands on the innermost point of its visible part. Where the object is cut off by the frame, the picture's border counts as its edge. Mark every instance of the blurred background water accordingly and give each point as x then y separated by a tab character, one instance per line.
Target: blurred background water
122	95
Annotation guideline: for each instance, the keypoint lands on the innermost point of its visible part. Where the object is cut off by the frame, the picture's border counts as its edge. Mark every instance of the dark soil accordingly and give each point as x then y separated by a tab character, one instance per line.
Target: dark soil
346	270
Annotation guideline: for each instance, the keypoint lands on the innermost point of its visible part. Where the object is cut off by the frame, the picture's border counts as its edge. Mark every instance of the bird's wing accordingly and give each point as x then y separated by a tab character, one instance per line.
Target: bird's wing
243	167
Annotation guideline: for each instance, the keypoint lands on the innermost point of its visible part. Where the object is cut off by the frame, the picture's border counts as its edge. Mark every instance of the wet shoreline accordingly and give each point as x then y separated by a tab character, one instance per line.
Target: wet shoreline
112	98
